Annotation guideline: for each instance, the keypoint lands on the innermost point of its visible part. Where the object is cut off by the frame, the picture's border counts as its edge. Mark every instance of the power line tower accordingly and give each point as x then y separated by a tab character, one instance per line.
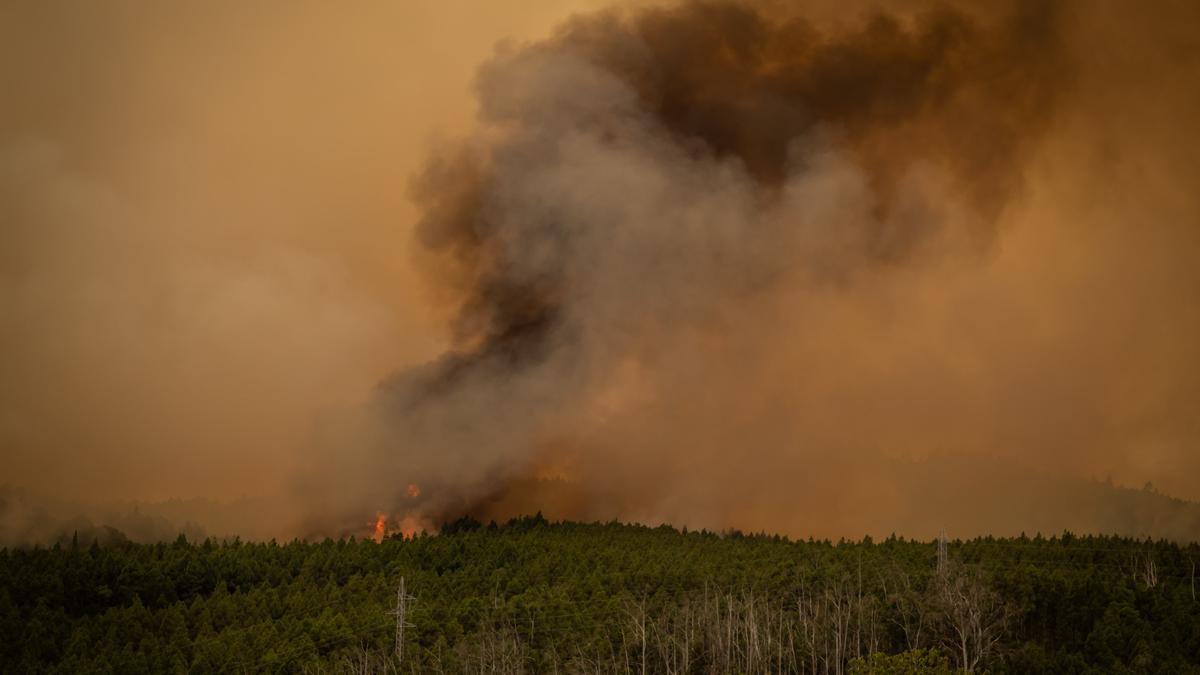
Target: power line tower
403	604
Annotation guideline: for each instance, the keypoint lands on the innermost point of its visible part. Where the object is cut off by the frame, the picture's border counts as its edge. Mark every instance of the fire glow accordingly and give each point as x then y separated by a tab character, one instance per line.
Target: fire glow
380	527
408	526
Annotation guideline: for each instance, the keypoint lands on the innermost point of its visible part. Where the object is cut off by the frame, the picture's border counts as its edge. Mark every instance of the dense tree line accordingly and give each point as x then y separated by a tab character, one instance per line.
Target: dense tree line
531	596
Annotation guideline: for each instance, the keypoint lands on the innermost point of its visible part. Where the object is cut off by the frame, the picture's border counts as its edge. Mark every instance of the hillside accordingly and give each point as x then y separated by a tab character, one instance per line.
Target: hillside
534	596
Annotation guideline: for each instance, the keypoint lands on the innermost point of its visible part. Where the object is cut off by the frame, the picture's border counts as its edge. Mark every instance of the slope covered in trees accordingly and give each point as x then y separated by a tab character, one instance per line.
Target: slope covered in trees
532	596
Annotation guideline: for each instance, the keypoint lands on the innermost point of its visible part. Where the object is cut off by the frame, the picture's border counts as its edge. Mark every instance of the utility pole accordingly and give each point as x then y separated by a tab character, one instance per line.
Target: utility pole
403	599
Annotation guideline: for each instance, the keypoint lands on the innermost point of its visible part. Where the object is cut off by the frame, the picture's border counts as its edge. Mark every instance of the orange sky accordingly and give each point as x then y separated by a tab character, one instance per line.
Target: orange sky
206	228
207	265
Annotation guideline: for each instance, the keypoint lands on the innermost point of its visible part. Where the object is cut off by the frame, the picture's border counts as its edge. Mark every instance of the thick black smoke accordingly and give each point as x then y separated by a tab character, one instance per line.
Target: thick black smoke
728	83
710	260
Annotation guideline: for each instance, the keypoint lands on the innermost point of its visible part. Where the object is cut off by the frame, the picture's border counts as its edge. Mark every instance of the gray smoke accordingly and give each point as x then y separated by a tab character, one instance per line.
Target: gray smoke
718	264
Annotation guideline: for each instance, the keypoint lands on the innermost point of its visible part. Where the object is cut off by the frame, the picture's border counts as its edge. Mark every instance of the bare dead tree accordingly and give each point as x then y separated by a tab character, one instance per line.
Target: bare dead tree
911	609
363	660
496	648
837	622
636	612
973	616
1149	570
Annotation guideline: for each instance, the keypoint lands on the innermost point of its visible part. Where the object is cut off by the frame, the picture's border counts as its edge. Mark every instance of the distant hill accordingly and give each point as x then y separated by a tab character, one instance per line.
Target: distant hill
962	497
35	519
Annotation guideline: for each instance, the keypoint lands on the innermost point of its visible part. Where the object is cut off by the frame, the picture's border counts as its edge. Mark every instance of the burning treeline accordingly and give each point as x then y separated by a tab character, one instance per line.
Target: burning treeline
734	264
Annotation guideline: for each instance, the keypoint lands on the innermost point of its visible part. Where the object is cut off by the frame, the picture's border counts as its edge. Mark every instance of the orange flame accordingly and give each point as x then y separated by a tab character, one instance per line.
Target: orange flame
380	527
410	526
414	490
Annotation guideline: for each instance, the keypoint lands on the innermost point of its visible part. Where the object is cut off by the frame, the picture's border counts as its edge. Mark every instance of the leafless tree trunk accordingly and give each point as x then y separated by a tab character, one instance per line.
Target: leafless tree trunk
910	607
973	616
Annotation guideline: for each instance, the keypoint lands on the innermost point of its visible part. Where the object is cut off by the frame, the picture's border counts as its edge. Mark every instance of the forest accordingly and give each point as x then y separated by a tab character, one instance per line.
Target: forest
532	596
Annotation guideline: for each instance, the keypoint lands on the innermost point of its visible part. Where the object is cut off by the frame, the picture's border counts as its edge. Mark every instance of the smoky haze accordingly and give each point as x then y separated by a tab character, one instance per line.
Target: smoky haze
808	267
736	264
204	232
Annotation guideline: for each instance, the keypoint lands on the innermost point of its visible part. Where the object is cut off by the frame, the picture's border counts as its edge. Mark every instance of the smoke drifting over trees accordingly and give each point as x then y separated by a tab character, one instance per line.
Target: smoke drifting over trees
721	264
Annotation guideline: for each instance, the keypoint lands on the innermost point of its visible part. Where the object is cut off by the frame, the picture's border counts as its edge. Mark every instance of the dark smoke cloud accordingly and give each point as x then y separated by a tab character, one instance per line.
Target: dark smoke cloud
729	80
722	264
765	98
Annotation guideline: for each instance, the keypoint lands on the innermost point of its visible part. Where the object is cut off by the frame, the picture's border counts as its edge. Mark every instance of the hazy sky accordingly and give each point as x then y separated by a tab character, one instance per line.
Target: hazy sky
758	257
204	227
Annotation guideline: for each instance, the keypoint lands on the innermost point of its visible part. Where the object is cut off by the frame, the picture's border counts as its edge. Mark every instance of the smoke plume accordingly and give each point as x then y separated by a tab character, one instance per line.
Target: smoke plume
757	265
807	266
